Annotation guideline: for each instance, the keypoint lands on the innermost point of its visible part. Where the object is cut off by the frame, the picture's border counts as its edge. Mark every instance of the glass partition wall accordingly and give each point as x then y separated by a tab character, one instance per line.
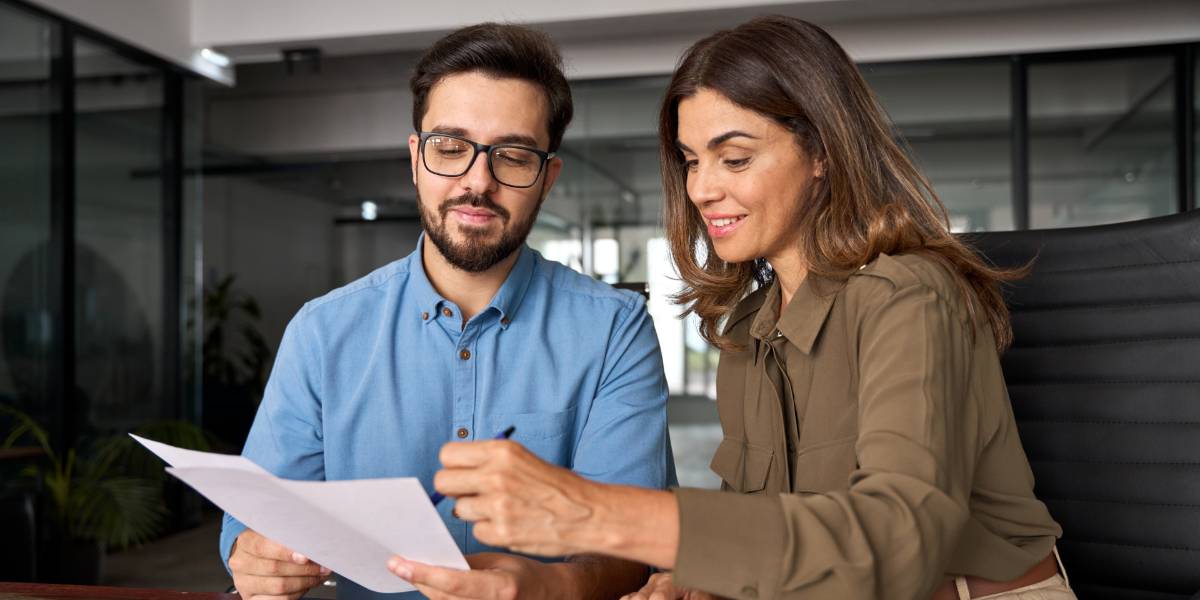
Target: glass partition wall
96	289
29	296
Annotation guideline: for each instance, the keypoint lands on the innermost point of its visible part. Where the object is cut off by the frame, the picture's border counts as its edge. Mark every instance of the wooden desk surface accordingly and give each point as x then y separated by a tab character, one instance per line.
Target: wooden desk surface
20	452
43	591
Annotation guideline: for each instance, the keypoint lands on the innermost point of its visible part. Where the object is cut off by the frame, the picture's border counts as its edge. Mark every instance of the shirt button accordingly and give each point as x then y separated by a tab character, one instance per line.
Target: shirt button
505	321
462	433
424	316
464	354
447	312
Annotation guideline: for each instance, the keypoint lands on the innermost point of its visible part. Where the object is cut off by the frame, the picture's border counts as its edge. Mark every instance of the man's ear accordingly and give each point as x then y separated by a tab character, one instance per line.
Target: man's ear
414	151
553	169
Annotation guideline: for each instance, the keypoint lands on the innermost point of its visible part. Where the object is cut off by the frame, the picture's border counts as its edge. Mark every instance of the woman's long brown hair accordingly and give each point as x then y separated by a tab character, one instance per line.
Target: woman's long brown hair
871	200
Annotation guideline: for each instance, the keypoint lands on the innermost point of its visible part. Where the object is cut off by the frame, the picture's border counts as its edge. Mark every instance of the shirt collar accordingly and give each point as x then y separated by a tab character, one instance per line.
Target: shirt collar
802	319
428	301
508	298
506	301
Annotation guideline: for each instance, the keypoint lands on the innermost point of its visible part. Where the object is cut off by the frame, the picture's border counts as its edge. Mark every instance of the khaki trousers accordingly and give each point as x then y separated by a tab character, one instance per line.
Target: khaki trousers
1057	587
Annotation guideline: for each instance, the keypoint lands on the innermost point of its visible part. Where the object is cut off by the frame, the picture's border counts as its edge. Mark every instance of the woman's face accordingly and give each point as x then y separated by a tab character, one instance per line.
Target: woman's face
747	177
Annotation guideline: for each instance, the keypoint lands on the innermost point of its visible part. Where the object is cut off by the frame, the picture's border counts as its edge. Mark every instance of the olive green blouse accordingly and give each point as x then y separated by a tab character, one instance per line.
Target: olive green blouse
869	434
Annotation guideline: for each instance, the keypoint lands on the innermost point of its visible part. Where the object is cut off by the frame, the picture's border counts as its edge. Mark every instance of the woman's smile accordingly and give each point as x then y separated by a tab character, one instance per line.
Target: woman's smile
720	226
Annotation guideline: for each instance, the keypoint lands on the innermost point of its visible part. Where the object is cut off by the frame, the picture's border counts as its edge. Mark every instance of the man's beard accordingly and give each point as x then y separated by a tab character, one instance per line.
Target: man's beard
475	254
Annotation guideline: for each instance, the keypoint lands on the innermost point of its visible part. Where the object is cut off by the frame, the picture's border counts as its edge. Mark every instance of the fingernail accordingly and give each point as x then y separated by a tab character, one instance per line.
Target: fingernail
299	558
325	571
400	567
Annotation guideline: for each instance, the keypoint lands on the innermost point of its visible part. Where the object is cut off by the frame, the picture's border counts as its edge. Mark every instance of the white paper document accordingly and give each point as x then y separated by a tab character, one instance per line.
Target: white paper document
351	527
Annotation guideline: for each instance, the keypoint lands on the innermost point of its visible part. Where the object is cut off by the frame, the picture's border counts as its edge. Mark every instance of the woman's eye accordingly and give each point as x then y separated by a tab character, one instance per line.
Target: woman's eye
691	165
736	163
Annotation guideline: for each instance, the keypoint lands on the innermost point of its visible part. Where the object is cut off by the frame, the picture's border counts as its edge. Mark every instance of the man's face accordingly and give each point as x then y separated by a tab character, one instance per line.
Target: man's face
474	220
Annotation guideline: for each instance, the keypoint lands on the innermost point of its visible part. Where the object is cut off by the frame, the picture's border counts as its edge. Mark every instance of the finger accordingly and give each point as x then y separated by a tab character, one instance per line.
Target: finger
253	585
465	455
456	482
472	584
436	594
266	567
261	546
470	508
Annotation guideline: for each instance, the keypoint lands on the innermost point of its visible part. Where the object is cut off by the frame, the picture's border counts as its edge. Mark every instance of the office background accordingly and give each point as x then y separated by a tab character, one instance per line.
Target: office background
178	177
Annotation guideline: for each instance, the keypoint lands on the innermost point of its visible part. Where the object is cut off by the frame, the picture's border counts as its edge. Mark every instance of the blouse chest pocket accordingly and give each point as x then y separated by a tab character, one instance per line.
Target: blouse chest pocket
824	467
743	468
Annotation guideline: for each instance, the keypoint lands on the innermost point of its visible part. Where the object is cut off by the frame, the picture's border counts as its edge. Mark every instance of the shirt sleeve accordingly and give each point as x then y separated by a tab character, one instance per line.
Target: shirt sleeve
890	534
286	437
624	439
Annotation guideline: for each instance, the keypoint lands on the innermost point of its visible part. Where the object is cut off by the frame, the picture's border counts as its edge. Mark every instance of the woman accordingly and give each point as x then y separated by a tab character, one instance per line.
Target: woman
867	430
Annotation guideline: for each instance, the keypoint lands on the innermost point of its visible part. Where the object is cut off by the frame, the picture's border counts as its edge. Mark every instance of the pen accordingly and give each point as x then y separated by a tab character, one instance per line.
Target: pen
436	497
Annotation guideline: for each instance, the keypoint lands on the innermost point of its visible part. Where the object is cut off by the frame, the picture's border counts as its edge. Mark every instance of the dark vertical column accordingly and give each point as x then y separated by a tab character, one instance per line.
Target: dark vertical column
1020	142
172	239
63	399
1185	125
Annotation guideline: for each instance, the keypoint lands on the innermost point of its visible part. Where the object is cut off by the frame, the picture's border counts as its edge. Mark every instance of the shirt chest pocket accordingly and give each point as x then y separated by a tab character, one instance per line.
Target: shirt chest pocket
824	467
550	435
743	468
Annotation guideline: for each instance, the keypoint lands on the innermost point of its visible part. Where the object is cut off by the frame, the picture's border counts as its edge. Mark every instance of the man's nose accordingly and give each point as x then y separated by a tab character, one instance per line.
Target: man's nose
478	179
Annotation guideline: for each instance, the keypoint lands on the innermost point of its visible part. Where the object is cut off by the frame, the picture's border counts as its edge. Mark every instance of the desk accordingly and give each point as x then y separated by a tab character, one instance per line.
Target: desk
42	591
21	453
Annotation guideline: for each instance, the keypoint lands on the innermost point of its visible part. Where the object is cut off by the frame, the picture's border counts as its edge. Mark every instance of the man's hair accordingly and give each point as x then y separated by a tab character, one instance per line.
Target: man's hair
508	51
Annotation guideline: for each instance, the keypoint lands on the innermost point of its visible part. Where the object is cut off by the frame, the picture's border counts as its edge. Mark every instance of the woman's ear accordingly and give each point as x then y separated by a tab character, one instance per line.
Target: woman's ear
818	168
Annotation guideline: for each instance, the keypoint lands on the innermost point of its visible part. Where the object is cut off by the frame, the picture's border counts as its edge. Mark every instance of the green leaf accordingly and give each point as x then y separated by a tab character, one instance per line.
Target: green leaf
117	511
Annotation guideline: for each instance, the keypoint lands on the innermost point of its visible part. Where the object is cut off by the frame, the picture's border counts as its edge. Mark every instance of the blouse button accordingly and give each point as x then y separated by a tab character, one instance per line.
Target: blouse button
462	433
447	312
464	354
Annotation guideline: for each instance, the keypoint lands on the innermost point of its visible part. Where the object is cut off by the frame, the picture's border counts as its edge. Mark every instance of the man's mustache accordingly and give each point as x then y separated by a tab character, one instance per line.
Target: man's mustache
474	201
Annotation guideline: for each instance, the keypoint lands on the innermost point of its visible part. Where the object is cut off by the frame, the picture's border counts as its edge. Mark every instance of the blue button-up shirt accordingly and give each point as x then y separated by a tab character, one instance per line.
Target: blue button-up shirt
373	378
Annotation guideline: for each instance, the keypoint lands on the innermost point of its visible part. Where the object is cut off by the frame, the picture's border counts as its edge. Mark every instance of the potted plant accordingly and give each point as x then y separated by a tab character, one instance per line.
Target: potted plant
236	358
110	496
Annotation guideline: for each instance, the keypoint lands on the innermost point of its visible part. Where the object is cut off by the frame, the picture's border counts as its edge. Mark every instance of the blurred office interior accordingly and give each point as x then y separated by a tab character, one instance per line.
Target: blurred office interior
177	177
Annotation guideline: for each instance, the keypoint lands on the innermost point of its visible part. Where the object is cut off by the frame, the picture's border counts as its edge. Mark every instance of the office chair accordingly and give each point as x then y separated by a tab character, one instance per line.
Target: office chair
1104	379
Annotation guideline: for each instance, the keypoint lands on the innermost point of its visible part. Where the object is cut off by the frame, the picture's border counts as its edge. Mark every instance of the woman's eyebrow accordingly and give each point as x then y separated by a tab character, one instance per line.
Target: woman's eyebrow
718	140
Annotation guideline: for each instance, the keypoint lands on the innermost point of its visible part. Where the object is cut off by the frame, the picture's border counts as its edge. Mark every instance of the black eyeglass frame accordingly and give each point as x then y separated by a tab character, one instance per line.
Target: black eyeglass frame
487	150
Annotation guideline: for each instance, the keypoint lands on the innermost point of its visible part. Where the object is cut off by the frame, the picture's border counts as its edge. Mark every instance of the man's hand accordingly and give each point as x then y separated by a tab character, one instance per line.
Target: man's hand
265	570
662	587
493	576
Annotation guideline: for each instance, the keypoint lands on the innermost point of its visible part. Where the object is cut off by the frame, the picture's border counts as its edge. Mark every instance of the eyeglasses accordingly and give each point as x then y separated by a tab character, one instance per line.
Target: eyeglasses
511	164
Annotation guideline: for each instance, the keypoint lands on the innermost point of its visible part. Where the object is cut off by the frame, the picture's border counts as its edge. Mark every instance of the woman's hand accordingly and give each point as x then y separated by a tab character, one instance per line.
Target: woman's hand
662	587
516	500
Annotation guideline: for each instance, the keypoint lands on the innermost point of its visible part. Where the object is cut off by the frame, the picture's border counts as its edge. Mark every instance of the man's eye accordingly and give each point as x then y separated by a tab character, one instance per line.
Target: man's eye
515	160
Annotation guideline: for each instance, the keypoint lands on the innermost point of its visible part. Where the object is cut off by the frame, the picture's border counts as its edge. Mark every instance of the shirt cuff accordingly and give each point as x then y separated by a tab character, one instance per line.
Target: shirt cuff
231	528
729	543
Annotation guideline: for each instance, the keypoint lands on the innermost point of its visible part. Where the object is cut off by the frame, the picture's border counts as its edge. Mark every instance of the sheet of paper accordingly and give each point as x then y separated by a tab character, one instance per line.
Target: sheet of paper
351	527
180	457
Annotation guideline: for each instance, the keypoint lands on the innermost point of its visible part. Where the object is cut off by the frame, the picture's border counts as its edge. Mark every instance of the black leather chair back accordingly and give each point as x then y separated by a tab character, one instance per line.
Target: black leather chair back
1104	378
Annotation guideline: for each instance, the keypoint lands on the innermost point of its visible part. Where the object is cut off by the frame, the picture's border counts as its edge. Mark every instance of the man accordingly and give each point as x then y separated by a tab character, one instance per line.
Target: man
472	333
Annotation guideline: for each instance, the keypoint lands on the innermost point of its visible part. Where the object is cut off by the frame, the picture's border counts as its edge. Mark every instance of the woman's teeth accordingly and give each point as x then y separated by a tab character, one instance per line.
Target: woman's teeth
724	222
